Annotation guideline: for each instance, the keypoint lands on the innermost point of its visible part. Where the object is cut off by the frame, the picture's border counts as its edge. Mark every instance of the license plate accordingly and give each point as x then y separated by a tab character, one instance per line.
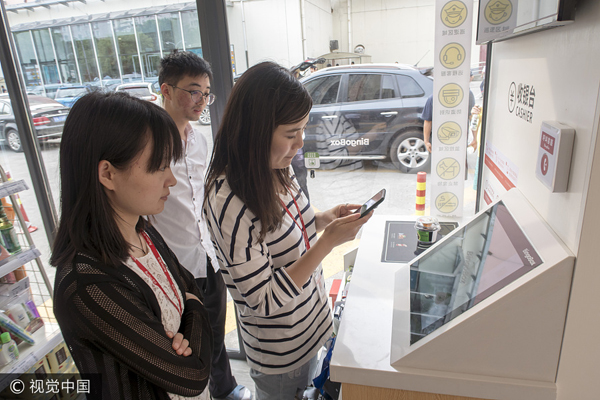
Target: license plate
60	118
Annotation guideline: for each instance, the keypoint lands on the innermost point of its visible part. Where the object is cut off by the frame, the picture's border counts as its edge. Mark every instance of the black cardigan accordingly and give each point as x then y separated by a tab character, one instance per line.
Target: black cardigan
111	321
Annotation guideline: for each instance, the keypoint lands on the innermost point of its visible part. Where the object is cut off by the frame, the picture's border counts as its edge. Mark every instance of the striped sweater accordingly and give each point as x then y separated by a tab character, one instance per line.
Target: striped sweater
282	325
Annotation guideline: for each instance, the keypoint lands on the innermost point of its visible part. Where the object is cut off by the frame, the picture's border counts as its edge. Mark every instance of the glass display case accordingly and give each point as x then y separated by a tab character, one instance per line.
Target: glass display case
477	261
489	299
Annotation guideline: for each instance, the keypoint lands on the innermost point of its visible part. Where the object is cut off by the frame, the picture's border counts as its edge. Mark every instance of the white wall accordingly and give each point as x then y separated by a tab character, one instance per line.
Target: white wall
274	30
562	64
391	30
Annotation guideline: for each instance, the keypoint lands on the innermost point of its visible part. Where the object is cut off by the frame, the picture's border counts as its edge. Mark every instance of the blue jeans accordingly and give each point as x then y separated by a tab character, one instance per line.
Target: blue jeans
283	386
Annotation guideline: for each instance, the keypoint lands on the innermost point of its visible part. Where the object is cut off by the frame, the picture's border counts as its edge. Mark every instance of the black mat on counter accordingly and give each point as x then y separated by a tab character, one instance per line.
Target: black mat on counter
400	241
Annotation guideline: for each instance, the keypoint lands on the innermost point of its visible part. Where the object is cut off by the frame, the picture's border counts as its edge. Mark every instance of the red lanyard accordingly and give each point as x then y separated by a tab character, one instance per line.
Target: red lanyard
178	306
303	227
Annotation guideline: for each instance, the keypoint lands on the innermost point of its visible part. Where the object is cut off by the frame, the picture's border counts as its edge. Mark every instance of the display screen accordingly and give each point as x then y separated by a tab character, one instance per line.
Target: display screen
372	201
474	262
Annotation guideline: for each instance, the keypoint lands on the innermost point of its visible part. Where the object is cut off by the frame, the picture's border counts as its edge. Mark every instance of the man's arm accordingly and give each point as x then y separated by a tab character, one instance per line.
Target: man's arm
427	134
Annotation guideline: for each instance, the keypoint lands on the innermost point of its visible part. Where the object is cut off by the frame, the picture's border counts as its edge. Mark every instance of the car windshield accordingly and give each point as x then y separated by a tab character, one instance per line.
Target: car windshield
70	92
136	91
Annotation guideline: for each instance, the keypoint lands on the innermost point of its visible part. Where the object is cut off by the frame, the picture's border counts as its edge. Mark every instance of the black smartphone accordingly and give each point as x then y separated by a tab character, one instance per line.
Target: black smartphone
371	203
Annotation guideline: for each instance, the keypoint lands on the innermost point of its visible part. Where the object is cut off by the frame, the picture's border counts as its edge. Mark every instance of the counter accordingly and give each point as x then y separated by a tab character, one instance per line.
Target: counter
361	358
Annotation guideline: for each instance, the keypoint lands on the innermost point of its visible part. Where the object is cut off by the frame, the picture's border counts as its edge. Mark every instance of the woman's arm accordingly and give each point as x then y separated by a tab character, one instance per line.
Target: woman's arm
118	321
338	231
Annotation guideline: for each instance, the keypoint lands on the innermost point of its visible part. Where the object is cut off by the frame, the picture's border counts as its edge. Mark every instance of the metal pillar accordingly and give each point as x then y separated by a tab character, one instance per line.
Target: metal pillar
214	34
20	106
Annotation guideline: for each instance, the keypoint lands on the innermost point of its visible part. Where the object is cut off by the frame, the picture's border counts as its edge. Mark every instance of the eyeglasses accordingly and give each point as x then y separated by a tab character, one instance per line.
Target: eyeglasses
208	98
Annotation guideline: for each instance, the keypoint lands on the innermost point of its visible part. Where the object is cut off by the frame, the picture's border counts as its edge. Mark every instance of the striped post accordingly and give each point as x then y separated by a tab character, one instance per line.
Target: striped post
421	183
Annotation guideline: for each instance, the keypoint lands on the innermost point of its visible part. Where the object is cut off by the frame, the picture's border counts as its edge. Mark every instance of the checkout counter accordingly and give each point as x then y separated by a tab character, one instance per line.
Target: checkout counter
478	315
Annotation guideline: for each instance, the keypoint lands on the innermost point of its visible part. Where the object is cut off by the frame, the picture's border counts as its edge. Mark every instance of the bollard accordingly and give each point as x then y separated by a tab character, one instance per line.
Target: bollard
421	184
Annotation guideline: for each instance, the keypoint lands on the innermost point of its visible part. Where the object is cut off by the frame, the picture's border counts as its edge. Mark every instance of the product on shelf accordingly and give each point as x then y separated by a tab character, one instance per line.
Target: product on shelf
8	278
9	351
20	273
8	233
59	359
3	254
15	329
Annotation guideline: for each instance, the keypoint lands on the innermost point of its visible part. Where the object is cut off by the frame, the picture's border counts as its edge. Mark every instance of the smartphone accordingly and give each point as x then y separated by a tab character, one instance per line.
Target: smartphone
371	203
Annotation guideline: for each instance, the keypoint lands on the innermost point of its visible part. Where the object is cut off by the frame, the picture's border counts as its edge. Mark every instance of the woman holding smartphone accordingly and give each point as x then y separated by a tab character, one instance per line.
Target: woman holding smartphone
126	308
265	231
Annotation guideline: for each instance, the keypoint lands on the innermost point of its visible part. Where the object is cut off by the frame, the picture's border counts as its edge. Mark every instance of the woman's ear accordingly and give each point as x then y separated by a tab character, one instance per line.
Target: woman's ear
106	174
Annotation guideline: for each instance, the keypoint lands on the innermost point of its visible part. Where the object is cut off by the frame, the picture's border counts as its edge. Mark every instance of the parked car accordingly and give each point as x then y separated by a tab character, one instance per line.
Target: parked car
205	116
143	90
68	95
368	112
48	119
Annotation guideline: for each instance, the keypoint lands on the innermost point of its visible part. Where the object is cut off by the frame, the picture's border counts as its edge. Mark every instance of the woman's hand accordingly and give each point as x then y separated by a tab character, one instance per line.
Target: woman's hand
345	228
324	218
180	345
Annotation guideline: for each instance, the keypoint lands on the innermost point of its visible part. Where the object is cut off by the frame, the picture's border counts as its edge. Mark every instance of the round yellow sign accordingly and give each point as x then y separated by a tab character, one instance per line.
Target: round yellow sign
454	13
498	11
446	202
449	132
448	168
450	95
452	55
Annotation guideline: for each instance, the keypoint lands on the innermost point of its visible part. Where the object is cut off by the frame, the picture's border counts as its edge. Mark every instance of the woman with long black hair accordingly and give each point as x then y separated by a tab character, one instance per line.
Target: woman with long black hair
126	308
265	230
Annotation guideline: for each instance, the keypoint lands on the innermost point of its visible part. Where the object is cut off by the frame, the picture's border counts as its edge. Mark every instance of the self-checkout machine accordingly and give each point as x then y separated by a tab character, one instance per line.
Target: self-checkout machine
486	305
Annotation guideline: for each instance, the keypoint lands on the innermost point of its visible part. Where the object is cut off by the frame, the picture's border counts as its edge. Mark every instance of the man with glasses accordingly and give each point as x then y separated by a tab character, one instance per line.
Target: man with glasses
184	81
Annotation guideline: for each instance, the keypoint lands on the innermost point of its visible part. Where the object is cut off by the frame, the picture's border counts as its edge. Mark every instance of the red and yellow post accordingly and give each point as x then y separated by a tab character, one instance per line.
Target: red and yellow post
421	185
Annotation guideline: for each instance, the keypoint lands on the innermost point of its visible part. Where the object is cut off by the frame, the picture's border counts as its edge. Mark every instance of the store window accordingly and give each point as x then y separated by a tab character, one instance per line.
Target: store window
63	45
45	52
149	46
84	49
191	32
107	56
170	32
128	50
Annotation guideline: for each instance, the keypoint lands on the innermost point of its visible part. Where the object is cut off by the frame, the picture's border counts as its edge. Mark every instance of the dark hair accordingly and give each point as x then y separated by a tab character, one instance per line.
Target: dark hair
179	64
105	126
265	97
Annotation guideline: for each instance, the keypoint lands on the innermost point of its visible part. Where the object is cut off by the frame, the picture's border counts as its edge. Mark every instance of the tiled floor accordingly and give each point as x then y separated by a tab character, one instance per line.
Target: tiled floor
241	371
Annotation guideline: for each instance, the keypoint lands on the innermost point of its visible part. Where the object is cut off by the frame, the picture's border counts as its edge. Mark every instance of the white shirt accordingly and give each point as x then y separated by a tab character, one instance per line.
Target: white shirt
170	317
182	223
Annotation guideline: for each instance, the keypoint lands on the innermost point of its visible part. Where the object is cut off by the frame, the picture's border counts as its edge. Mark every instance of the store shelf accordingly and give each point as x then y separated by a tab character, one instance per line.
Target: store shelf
46	339
12	187
13	262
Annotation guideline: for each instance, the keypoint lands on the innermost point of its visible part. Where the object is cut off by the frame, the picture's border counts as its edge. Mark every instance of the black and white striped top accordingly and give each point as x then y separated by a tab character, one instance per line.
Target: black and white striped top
282	325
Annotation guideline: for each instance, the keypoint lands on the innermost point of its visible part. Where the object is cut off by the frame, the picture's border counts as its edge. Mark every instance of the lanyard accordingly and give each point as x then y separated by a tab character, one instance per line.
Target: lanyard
303	227
178	306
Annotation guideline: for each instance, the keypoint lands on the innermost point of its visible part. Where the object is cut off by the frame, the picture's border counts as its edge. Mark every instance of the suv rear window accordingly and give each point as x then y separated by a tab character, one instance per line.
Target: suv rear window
324	90
409	87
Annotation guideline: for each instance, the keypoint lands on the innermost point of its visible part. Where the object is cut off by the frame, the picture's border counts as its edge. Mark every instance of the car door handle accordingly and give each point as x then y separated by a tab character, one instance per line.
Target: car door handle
329	116
389	113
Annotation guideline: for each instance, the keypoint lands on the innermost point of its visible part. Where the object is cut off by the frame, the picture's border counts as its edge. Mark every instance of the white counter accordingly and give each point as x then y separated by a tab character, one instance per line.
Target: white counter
362	351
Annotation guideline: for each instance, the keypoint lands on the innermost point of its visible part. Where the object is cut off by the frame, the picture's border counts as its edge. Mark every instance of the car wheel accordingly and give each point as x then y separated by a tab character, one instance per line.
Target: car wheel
205	117
409	153
14	141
